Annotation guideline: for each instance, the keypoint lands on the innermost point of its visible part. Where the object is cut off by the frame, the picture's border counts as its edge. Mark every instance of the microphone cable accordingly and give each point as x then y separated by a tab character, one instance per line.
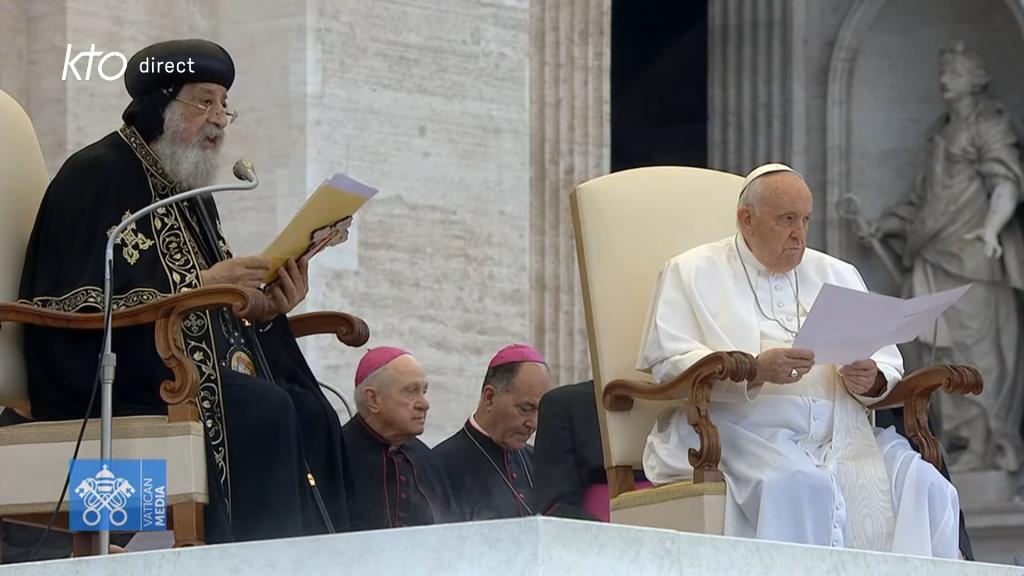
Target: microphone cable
74	457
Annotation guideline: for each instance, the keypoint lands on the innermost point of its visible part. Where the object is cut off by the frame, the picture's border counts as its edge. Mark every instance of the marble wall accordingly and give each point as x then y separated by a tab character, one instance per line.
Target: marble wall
428	101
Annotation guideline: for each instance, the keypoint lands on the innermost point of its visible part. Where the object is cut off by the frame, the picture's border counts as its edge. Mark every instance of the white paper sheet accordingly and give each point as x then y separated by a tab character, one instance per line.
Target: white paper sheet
846	325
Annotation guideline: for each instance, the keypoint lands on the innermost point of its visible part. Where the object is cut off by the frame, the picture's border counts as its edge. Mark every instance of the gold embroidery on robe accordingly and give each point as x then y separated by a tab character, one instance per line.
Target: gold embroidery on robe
182	261
81	299
132	241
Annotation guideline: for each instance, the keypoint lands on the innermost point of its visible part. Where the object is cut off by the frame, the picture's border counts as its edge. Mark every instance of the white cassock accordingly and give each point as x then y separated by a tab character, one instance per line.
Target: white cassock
802	462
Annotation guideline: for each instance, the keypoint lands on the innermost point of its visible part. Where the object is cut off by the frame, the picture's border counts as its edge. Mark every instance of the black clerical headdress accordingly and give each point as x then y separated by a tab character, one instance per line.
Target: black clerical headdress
156	73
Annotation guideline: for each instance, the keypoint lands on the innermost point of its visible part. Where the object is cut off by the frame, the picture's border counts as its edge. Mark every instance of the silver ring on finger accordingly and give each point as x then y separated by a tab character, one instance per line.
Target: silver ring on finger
794	373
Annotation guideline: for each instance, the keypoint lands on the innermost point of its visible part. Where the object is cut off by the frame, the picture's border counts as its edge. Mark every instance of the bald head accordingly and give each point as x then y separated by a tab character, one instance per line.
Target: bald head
773	216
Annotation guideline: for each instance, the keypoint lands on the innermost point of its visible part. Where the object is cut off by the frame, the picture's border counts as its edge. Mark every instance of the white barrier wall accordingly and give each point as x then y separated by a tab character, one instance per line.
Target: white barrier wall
541	546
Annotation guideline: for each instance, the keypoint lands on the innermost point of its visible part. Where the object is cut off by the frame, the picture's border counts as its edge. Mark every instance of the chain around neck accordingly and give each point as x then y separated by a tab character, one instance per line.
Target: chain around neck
508	484
773	318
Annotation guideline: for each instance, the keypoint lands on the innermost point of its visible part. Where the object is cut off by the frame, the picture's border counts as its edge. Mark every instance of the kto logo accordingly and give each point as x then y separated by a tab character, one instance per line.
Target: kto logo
72	64
146	66
128	495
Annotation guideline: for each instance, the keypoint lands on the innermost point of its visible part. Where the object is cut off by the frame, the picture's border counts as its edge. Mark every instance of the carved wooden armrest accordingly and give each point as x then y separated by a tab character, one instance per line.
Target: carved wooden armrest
167	313
693	385
914	392
349	329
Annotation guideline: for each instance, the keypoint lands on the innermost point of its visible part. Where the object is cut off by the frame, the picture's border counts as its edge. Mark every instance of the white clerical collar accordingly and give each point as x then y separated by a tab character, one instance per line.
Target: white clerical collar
479	428
748	257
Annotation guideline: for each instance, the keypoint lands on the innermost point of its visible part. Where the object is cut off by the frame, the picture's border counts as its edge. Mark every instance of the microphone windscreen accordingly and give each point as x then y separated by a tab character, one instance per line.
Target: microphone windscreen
244	170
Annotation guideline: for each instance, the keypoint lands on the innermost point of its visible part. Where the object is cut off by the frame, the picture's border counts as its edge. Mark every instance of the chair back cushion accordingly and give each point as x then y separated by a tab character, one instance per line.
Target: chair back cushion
628	225
23	181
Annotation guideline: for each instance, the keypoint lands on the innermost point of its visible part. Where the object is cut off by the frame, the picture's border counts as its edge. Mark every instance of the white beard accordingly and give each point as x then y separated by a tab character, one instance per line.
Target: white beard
187	163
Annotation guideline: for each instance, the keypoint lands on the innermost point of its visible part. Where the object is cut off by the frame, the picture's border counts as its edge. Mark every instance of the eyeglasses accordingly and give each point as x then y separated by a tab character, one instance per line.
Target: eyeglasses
212	107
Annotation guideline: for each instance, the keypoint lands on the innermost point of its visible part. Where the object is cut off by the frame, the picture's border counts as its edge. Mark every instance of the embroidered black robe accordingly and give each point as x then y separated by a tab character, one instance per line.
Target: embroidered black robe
392	486
487	481
260	428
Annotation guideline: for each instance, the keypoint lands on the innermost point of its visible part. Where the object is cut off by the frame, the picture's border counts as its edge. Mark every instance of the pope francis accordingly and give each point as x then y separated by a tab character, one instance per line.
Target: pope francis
801	459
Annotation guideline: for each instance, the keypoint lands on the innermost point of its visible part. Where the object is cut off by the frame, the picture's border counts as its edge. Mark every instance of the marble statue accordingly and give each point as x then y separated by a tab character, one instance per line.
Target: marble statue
958	226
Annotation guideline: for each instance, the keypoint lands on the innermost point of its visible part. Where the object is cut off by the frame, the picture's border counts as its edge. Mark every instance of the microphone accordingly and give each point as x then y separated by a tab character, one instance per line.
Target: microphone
243	170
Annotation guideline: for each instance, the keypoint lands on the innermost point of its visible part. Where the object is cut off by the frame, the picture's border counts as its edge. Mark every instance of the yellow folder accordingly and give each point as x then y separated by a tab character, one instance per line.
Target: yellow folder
320	223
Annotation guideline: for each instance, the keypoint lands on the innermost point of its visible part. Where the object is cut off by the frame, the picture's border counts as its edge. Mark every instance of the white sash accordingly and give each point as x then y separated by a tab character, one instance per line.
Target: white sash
860	466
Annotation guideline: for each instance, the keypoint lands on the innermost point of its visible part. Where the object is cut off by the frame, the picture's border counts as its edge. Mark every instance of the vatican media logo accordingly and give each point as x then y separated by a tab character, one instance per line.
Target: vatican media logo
104	66
122	495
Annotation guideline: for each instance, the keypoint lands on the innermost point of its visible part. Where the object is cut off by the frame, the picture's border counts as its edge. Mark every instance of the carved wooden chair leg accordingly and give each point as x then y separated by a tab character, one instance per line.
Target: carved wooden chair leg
84	544
620	480
187	521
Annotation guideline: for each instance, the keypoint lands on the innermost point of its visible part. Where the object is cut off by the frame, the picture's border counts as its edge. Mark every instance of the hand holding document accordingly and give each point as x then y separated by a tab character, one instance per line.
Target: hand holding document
322	221
846	325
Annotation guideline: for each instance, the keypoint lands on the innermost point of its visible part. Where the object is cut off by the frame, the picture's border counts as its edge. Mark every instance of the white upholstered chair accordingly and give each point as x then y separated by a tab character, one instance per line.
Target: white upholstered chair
627	225
34	456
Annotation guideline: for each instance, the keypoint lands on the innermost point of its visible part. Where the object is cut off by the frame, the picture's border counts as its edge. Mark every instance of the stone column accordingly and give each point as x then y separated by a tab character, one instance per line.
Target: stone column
569	144
754	113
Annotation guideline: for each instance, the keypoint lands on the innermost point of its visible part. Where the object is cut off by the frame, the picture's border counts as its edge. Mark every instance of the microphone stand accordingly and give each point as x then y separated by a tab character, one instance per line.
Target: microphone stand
108	360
